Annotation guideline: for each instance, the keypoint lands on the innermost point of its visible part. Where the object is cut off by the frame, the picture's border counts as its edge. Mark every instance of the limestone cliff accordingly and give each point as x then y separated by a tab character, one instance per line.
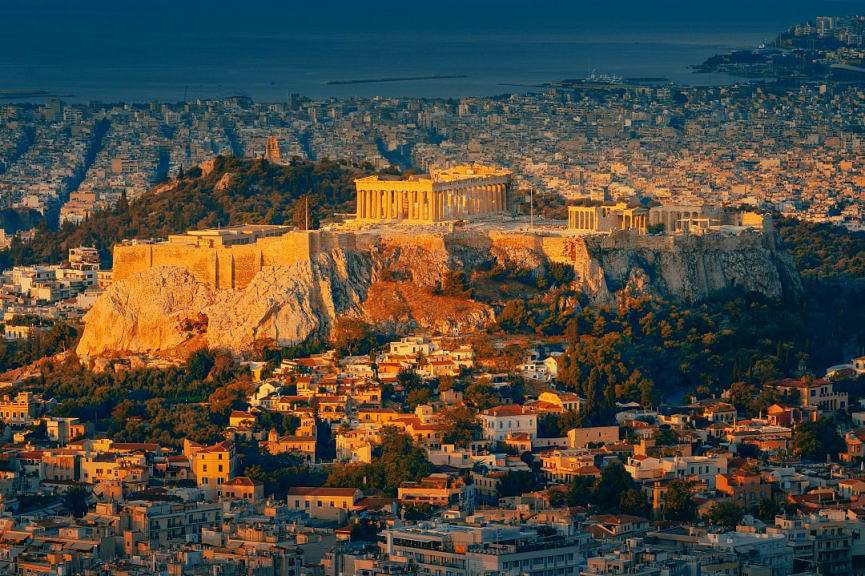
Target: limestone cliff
386	278
685	267
162	308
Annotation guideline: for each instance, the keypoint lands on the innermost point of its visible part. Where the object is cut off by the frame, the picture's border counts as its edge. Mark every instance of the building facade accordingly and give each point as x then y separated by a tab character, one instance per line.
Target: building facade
497	423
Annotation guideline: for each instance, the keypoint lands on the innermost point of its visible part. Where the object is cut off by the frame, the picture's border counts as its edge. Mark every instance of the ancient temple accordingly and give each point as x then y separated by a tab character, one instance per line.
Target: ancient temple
454	193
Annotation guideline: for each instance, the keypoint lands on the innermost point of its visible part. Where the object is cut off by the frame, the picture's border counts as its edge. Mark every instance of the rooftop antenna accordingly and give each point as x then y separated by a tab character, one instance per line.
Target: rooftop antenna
532	208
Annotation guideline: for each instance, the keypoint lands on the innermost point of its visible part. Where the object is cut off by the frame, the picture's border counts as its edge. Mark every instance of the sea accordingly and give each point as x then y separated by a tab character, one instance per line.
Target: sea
155	50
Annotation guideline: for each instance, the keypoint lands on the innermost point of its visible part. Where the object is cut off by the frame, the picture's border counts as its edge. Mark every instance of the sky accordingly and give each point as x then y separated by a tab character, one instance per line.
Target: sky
74	20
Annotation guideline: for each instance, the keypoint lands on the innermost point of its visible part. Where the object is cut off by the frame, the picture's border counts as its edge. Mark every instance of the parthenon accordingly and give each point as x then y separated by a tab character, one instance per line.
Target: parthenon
454	193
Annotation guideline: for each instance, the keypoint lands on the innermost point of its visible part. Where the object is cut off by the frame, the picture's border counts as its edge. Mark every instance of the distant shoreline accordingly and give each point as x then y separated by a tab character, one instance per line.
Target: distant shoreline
10	94
396	79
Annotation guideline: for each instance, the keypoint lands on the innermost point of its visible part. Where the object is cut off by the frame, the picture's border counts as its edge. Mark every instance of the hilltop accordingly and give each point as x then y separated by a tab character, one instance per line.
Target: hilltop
441	281
230	191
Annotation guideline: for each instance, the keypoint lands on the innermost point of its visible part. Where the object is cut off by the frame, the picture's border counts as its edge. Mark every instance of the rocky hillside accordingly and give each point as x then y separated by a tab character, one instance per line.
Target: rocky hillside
688	267
390	280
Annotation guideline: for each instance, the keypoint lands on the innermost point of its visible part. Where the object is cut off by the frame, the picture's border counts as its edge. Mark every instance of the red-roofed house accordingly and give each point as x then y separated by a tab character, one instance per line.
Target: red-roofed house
500	421
242	488
815	394
241	419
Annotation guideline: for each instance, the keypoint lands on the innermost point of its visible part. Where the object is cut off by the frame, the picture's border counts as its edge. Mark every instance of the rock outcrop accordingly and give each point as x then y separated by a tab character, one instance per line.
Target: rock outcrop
162	308
686	267
386	279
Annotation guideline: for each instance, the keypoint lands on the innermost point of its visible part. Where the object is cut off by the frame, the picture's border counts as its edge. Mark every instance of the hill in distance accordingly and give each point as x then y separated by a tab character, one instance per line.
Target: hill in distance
231	191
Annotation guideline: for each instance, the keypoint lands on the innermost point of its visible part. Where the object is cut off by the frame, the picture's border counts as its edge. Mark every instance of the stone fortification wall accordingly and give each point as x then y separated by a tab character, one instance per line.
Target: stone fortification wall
225	267
129	260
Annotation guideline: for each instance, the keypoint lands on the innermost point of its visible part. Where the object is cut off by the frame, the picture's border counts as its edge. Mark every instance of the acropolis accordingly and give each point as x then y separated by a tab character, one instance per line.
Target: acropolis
453	193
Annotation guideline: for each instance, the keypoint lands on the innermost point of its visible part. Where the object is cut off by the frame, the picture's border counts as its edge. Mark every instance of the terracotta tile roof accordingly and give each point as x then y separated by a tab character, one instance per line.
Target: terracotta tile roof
321	491
506	410
243	481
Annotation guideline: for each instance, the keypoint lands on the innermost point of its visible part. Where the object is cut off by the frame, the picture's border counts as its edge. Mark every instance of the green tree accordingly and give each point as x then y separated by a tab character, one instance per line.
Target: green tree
767	509
480	395
581	490
558	498
614	482
462	425
634	501
199	364
665	437
409	380
677	500
455	284
724	514
353	337
817	440
417	397
516	482
75	499
396	460
418	512
364	530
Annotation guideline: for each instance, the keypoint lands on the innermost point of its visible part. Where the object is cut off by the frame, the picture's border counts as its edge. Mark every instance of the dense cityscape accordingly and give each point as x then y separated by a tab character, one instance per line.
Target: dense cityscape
792	149
592	327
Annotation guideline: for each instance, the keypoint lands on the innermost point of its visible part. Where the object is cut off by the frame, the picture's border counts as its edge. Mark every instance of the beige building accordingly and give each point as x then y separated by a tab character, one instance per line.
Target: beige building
435	489
300	446
453	193
242	488
310	498
158	522
582	437
18	411
607	218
